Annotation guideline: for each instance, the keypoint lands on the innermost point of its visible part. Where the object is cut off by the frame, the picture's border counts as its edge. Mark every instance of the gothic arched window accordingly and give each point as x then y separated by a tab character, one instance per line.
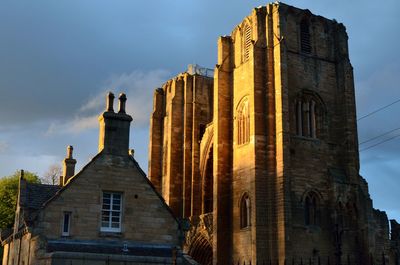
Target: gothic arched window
243	122
305	42
306	120
246	42
245	211
311	211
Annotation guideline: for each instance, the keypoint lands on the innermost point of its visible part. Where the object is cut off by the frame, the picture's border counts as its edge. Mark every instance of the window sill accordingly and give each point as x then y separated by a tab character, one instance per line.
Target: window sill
310	139
110	234
245	229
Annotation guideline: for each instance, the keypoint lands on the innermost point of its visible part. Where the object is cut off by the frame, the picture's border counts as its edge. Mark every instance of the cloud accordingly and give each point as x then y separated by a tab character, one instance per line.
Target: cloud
77	125
137	85
3	146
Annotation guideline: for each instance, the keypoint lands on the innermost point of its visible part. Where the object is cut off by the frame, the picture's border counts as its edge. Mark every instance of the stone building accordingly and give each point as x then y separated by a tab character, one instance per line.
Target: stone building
263	157
108	213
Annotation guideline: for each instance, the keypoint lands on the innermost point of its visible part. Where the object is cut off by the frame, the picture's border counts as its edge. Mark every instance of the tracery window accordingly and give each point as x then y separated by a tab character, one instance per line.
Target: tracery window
311	211
243	122
245	211
308	116
305	43
246	42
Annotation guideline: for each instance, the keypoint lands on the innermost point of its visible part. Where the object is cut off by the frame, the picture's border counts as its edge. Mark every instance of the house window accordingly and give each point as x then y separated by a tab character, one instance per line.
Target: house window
66	224
111	212
306	118
305	42
245	211
311	213
243	122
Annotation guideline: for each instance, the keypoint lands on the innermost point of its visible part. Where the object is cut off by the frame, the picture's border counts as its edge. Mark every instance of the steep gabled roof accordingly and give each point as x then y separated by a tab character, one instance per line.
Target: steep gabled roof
33	198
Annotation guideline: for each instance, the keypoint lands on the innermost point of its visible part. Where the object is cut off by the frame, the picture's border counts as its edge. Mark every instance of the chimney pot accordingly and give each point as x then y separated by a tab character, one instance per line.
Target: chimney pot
132	152
110	102
70	150
122	103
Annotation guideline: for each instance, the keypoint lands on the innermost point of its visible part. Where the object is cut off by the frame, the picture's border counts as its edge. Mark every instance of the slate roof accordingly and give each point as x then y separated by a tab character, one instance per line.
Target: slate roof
109	247
33	198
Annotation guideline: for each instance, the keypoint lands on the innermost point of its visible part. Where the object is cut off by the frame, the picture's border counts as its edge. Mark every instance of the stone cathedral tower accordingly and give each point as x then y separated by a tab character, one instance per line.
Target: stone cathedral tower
263	159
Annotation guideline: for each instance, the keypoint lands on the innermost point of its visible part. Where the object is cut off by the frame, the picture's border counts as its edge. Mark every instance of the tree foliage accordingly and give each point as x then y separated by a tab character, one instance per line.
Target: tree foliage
8	196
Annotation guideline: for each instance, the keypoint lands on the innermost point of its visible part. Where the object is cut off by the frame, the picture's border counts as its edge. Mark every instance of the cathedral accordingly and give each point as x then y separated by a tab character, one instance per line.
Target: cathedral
261	154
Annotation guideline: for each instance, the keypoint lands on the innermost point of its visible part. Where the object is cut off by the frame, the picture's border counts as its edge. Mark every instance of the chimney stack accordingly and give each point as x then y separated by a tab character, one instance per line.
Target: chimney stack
68	165
114	127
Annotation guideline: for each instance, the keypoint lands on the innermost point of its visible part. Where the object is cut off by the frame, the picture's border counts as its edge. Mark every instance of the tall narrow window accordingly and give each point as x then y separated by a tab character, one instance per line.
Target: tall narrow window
111	212
245	211
246	42
305	42
66	224
311	213
306	117
243	122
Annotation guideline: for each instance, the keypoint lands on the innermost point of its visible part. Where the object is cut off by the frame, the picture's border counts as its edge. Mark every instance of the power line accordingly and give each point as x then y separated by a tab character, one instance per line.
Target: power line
375	111
381	142
378	136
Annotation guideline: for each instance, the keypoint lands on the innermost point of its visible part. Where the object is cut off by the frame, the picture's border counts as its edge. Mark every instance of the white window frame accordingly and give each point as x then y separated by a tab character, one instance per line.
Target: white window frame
111	212
63	232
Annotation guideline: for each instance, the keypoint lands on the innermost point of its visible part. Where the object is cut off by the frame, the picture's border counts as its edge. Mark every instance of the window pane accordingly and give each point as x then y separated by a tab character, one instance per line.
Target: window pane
111	211
114	214
66	223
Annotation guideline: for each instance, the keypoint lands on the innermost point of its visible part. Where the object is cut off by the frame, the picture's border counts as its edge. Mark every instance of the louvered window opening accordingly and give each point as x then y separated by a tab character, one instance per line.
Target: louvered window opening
305	37
247	42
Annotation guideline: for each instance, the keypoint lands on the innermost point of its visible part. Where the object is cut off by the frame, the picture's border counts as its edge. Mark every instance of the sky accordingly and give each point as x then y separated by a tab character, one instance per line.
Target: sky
59	58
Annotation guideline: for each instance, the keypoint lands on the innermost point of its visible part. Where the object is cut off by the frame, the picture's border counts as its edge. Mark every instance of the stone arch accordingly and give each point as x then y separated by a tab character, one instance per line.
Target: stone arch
242	117
312	202
206	170
200	250
310	112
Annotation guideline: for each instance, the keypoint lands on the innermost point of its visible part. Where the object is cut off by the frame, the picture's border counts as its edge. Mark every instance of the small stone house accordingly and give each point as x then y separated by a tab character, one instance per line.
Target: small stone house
108	213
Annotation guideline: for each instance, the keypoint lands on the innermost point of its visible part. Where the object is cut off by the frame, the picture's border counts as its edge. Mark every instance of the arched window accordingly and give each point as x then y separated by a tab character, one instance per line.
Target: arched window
311	211
245	211
305	43
306	120
243	122
246	42
339	215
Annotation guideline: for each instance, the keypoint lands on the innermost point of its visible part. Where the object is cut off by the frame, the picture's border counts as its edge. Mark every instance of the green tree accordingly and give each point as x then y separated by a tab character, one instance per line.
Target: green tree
8	198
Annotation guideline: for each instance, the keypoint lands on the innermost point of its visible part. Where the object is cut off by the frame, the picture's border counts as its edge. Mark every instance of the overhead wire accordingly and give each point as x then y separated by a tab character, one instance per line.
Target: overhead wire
381	142
383	134
377	110
379	136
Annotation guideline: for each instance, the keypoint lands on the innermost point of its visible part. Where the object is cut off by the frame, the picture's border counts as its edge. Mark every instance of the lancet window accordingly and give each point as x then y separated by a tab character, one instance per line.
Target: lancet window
311	213
243	122
245	211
